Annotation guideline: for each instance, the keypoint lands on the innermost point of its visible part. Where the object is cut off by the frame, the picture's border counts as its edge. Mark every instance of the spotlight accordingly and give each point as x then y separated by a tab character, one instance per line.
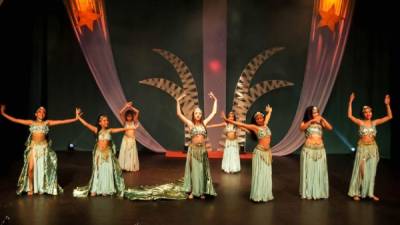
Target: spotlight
353	149
71	147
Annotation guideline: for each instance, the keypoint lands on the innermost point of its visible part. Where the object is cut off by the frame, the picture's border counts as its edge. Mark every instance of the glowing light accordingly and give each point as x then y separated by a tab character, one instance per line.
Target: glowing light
215	65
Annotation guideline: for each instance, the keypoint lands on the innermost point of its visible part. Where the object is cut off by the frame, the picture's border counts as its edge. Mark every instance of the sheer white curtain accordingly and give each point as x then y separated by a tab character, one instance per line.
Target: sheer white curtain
90	27
325	53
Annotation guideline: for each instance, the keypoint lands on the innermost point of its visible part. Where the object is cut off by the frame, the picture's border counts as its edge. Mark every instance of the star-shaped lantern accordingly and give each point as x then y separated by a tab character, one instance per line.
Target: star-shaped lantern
87	18
329	18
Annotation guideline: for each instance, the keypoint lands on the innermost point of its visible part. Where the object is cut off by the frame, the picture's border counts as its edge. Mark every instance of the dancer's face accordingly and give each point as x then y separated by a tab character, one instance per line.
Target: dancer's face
197	114
367	114
103	122
129	117
231	116
40	113
260	120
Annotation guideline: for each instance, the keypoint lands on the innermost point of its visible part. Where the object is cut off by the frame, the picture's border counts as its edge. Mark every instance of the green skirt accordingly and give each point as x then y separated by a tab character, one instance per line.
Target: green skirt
364	170
314	182
261	175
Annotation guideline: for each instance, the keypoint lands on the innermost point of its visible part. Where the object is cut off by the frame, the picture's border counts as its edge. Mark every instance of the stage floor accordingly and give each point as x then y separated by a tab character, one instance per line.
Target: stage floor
231	206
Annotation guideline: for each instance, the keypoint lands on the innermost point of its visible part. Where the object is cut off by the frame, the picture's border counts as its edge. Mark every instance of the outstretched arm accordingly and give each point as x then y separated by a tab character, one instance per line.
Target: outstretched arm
60	122
88	125
350	111
122	129
216	125
241	125
389	115
12	119
214	109
268	110
179	112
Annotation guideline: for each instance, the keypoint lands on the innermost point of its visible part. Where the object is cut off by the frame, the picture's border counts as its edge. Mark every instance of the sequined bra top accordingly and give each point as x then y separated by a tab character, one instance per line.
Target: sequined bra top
367	131
198	130
39	128
104	135
230	128
314	129
263	132
129	125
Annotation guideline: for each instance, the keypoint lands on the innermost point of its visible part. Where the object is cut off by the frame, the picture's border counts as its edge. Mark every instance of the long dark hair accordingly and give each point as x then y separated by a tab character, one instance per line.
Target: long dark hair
201	119
308	114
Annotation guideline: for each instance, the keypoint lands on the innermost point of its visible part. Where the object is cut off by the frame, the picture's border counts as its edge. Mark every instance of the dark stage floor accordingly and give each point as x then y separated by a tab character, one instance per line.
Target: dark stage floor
231	206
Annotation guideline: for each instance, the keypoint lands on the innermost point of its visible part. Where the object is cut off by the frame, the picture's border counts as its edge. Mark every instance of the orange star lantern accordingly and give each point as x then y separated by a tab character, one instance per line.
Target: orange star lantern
329	11
85	13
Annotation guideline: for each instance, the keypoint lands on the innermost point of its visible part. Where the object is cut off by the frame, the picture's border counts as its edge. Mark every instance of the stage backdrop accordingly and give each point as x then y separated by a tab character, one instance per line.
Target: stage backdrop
252	26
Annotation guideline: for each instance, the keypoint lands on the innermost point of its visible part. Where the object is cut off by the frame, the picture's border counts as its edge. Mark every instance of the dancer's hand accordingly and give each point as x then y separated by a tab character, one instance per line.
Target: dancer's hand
181	97
352	97
78	113
268	108
222	114
3	109
387	100
212	96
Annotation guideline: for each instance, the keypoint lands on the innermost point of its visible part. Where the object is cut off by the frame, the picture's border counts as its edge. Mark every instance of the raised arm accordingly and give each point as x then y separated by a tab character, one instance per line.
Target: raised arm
136	118
179	112
388	116
350	111
325	124
88	125
214	109
60	122
12	119
268	110
123	109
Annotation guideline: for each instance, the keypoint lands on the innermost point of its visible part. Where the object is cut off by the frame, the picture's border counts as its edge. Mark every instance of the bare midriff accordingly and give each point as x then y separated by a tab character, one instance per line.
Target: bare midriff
198	139
367	139
314	140
231	135
265	142
103	145
38	137
130	133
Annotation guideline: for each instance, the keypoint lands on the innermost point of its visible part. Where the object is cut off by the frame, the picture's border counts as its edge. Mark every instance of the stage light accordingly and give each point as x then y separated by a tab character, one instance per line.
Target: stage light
71	147
344	140
215	66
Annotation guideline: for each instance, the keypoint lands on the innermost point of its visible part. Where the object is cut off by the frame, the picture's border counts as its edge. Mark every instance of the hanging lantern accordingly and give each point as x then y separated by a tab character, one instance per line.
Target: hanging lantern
85	13
330	13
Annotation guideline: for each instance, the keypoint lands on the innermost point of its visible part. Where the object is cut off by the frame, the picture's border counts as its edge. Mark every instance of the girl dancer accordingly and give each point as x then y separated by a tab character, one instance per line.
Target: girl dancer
231	158
197	180
363	178
39	173
128	155
261	175
106	174
314	183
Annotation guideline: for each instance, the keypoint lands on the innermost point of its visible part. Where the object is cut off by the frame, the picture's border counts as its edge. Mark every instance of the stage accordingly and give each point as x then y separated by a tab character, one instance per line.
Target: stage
231	206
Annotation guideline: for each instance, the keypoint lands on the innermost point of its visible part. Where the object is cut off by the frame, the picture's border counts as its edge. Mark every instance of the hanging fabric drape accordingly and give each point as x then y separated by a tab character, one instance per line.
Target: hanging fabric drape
329	30
90	27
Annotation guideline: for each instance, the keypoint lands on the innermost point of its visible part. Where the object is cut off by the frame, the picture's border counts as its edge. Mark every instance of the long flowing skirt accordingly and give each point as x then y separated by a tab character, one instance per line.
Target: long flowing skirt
314	182
197	179
106	176
364	170
128	155
231	158
261	175
44	170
